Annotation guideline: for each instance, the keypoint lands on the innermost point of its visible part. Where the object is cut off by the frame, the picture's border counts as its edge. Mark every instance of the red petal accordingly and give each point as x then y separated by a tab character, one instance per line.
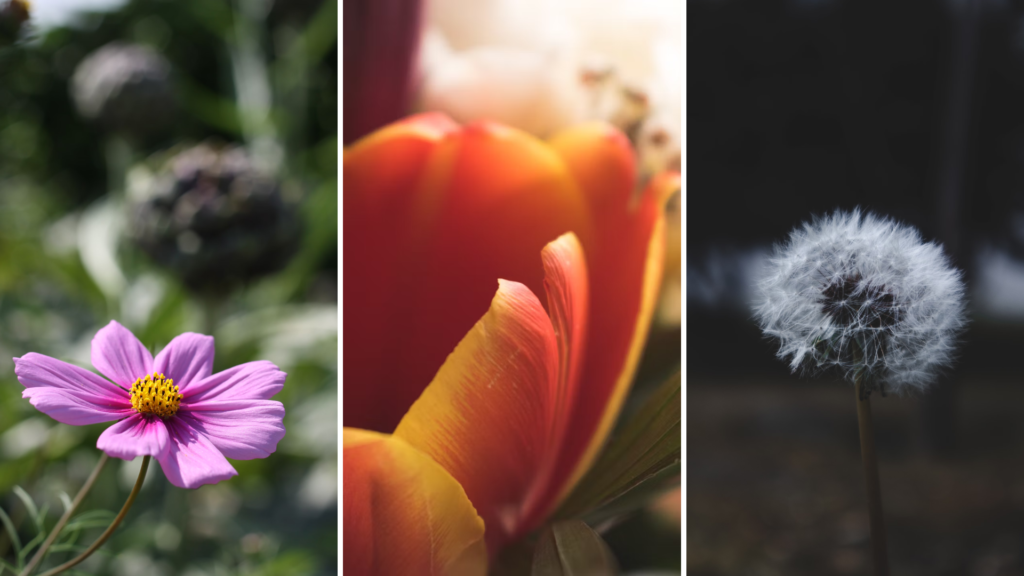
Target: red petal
429	224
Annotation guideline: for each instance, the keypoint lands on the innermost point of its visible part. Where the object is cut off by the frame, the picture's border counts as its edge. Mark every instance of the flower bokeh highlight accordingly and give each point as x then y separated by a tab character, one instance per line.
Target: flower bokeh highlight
218	416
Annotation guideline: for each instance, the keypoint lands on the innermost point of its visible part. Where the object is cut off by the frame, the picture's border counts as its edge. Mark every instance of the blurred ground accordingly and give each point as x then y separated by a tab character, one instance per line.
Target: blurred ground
775	486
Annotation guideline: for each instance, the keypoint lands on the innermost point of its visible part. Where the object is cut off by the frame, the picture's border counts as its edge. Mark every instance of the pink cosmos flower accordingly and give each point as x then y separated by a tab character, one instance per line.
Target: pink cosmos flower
171	407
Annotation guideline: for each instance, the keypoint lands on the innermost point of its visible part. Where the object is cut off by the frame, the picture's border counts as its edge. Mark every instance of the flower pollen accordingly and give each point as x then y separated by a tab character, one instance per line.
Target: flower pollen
155	394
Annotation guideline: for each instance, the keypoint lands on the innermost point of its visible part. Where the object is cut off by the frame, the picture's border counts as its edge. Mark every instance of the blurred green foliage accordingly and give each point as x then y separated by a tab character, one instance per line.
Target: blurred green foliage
66	270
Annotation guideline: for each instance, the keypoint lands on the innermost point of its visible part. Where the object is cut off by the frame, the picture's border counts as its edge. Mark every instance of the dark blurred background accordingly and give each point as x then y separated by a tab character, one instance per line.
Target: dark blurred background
172	165
913	110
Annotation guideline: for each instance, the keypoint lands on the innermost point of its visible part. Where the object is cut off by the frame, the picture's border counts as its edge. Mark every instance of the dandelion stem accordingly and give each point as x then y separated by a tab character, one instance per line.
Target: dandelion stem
52	537
867	452
110	529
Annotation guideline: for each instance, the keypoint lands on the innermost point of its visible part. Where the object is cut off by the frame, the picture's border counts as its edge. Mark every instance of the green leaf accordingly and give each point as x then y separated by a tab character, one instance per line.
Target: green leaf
213	109
66	501
30	546
292	563
103	515
42	518
214	16
66	538
90	519
647	444
571	548
9	526
30	505
312	45
67	548
85	525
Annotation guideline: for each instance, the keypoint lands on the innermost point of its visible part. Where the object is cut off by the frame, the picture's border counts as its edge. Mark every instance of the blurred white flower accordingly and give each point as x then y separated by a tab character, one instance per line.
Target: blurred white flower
166	537
126	87
134	563
532	90
541	66
49	13
998	286
28	435
866	296
313	426
319	488
128	473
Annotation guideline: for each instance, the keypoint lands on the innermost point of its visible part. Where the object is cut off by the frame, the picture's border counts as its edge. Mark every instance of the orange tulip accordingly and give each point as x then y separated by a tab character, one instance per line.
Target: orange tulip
433	215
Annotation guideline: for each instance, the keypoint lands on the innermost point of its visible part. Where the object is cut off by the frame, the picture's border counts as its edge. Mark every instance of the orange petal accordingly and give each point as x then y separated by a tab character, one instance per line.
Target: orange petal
497	412
670	300
432	216
665	185
403	514
625	259
486	417
602	162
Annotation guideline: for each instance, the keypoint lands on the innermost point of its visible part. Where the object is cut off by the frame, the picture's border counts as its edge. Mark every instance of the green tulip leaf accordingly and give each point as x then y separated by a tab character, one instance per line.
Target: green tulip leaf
571	548
647	447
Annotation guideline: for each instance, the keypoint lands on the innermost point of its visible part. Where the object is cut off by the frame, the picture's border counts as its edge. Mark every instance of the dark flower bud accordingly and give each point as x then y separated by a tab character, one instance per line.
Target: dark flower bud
214	219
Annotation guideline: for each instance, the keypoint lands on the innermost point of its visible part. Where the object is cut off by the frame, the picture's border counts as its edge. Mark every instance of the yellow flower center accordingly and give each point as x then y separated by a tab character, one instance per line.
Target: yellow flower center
155	394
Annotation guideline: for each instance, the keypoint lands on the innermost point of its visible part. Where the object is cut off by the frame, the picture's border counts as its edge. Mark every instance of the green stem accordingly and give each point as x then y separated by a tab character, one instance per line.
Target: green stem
110	529
38	557
868	458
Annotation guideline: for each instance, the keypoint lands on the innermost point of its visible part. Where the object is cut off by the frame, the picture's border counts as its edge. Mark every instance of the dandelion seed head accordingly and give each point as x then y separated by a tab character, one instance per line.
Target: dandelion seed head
864	296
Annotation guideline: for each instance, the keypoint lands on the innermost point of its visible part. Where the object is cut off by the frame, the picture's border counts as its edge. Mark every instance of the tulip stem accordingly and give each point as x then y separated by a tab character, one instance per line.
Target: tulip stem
110	529
38	557
874	490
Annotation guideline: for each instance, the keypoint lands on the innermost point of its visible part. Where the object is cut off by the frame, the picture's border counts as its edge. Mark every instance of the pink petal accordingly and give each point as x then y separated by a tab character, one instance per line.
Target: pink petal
135	436
187	358
119	355
250	381
68	408
70	394
240	429
191	460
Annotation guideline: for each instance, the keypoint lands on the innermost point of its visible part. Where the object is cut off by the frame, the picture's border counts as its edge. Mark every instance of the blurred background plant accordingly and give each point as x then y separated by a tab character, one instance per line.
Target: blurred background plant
172	165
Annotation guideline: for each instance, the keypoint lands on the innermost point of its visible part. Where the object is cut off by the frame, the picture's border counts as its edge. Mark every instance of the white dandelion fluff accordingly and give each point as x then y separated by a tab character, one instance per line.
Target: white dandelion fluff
864	295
